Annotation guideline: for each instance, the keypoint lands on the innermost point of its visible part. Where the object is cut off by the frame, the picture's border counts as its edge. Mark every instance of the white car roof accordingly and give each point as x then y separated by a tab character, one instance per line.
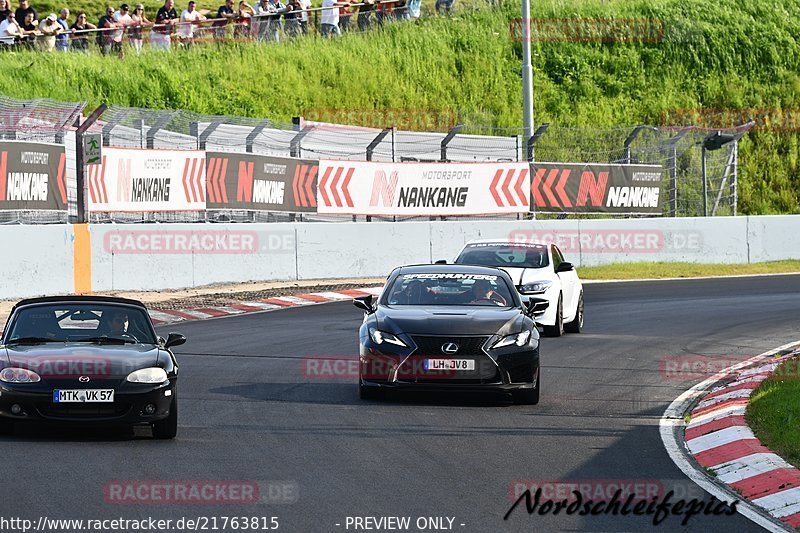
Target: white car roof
507	241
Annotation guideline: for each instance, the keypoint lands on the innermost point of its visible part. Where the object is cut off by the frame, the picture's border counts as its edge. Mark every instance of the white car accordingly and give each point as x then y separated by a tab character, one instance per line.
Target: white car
538	270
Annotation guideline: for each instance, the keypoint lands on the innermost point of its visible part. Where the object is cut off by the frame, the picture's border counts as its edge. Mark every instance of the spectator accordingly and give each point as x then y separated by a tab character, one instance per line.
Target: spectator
22	12
243	16
344	17
189	18
138	19
365	14
294	11
80	37
123	20
383	11
444	5
401	10
268	19
5	9
105	37
48	30
225	14
305	5
29	31
330	18
166	18
414	9
10	31
62	39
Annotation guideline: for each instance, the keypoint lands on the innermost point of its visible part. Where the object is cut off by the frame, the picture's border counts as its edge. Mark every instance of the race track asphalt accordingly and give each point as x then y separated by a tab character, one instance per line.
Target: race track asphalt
250	411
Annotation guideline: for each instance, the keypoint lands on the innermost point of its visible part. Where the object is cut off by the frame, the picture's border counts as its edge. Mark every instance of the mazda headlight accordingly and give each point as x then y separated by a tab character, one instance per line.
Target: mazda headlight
519	339
379	337
19	375
536	287
148	375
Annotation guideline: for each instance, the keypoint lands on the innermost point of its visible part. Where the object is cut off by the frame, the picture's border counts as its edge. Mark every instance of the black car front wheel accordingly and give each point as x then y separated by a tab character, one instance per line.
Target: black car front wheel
168	427
529	396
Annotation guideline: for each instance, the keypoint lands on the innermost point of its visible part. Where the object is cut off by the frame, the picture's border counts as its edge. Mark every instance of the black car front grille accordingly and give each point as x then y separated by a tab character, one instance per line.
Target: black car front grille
82	410
427	345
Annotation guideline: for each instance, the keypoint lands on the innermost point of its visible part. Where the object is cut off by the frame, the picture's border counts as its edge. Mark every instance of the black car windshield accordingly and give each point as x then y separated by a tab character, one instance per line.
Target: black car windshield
514	255
80	322
445	288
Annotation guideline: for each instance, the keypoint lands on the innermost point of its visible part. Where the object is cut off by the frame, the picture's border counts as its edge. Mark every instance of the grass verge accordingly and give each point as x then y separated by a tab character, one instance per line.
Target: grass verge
774	412
684	270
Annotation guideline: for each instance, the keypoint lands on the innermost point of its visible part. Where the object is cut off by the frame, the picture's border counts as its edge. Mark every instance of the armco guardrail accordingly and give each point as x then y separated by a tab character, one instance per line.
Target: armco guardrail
81	258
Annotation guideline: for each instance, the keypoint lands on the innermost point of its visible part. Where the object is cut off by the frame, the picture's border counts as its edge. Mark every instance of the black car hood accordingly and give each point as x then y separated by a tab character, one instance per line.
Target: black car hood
448	320
71	359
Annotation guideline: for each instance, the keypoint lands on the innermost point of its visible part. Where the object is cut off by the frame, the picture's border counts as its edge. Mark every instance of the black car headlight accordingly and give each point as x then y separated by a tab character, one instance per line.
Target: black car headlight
19	375
535	287
518	339
148	375
379	337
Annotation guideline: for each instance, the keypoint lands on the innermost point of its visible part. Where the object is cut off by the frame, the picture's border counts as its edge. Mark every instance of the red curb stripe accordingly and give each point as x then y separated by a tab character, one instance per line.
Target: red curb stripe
715	425
354	292
793	520
246	308
720	405
279	302
768	483
178	313
729	452
213	312
313	297
726	390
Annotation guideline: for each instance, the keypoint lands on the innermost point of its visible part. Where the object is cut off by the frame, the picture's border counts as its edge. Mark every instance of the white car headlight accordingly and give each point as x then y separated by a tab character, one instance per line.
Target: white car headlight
148	375
379	337
520	339
535	287
19	375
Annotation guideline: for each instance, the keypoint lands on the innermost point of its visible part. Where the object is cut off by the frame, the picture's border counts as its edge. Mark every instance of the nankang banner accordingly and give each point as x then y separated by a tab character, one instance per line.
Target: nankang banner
147	180
595	188
258	182
367	188
32	176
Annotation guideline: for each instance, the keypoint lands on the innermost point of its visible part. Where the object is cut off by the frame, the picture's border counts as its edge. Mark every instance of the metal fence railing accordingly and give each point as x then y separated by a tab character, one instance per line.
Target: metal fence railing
699	165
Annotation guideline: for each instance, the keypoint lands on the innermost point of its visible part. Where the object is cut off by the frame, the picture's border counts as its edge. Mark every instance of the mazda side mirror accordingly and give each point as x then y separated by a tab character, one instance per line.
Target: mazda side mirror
565	267
441	262
364	302
174	339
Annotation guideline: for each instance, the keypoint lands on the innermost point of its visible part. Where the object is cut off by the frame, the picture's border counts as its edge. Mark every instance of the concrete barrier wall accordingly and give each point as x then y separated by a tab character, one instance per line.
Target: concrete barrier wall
39	259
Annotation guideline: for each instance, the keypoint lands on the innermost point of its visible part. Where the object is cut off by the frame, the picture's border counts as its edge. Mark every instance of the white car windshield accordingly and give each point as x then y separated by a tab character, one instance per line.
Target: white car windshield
513	255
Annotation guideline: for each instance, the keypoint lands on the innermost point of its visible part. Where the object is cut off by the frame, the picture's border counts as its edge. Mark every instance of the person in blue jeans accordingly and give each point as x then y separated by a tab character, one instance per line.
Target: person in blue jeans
62	39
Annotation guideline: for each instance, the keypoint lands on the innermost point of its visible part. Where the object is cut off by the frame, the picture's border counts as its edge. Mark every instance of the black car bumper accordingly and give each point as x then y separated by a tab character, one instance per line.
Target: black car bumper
128	407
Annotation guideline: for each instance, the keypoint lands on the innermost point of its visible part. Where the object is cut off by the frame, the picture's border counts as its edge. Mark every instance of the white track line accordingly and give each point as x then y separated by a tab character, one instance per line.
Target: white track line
672	420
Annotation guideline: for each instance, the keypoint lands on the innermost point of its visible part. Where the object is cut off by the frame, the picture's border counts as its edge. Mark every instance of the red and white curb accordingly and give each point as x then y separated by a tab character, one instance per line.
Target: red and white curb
719	440
170	316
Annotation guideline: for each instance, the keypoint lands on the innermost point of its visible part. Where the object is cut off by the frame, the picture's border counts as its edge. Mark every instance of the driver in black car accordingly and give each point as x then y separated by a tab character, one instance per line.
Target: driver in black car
482	291
118	324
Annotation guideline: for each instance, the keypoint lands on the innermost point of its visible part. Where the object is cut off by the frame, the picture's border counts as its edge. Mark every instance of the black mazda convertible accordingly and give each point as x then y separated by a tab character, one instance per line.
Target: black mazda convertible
449	327
87	359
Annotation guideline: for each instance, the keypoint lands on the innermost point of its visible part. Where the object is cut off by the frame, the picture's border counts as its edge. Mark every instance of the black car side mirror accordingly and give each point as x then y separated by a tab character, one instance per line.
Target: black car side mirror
364	302
174	339
441	262
565	266
535	306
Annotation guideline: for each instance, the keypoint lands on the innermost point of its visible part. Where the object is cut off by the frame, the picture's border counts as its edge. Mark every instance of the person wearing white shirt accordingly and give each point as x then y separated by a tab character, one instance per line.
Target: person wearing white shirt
189	18
123	19
305	5
9	30
330	18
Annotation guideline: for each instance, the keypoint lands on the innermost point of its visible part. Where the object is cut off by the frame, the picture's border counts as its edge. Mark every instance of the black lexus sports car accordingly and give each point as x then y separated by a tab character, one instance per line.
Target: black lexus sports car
87	359
449	327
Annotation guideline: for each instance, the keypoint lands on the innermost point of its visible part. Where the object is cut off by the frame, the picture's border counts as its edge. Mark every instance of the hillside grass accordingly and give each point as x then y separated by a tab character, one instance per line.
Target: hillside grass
727	54
684	270
774	412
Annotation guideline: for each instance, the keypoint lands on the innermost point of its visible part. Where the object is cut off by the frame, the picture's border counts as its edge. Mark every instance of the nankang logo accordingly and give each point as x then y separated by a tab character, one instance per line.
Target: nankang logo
450	348
433	196
383	189
632	197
